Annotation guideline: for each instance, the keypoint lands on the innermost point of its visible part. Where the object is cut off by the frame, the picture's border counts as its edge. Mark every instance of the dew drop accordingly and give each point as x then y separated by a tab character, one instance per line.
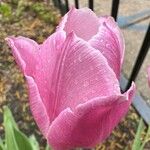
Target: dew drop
21	46
102	52
101	40
86	83
75	61
115	86
45	81
75	82
85	98
57	47
48	61
79	58
108	45
93	91
68	74
91	68
96	78
106	79
37	68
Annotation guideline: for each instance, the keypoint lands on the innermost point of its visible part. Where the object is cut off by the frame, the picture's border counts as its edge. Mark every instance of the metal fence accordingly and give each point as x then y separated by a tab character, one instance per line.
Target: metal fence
140	105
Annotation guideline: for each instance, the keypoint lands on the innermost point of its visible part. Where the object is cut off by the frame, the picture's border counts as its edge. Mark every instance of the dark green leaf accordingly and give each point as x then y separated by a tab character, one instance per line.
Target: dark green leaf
47	147
5	9
34	143
137	140
146	139
15	139
9	132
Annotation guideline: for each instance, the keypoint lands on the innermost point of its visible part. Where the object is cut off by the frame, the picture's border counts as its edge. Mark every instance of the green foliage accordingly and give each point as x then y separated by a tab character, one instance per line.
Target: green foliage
15	2
138	142
34	143
14	138
47	147
43	12
20	8
17	8
5	10
146	139
2	146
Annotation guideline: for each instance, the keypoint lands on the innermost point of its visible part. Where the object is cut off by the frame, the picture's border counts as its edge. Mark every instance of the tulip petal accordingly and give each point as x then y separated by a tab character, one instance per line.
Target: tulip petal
109	41
148	71
38	61
48	57
24	50
81	74
90	123
83	22
37	107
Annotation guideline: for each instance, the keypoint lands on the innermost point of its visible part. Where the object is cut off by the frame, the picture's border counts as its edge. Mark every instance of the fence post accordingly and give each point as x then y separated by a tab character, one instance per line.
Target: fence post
91	4
114	9
143	51
76	3
67	5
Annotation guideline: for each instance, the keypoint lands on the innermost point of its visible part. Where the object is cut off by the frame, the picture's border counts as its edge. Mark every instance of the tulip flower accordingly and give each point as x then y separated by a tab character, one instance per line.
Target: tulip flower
73	79
148	72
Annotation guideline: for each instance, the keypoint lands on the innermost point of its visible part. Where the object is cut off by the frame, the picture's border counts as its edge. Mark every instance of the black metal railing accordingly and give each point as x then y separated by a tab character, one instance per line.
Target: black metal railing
142	108
140	58
115	7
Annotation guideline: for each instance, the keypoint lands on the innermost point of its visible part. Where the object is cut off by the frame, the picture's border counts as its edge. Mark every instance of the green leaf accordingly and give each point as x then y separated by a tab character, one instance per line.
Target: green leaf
20	7
9	132
8	117
2	146
146	139
137	141
22	141
15	139
34	143
5	9
47	147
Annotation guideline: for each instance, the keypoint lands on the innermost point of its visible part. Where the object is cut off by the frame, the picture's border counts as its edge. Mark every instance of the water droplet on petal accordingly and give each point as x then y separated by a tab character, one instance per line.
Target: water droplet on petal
21	46
115	86
75	61
107	79
58	47
108	45
86	83
75	82
102	52
93	91
79	58
68	74
37	68
96	78
101	40
85	98
45	81
91	68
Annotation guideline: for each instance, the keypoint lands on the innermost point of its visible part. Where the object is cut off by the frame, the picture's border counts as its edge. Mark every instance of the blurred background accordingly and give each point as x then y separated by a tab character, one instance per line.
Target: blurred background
37	19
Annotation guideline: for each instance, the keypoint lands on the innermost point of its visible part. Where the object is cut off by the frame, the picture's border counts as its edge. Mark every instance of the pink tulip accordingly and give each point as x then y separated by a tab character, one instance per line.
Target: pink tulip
73	77
148	71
